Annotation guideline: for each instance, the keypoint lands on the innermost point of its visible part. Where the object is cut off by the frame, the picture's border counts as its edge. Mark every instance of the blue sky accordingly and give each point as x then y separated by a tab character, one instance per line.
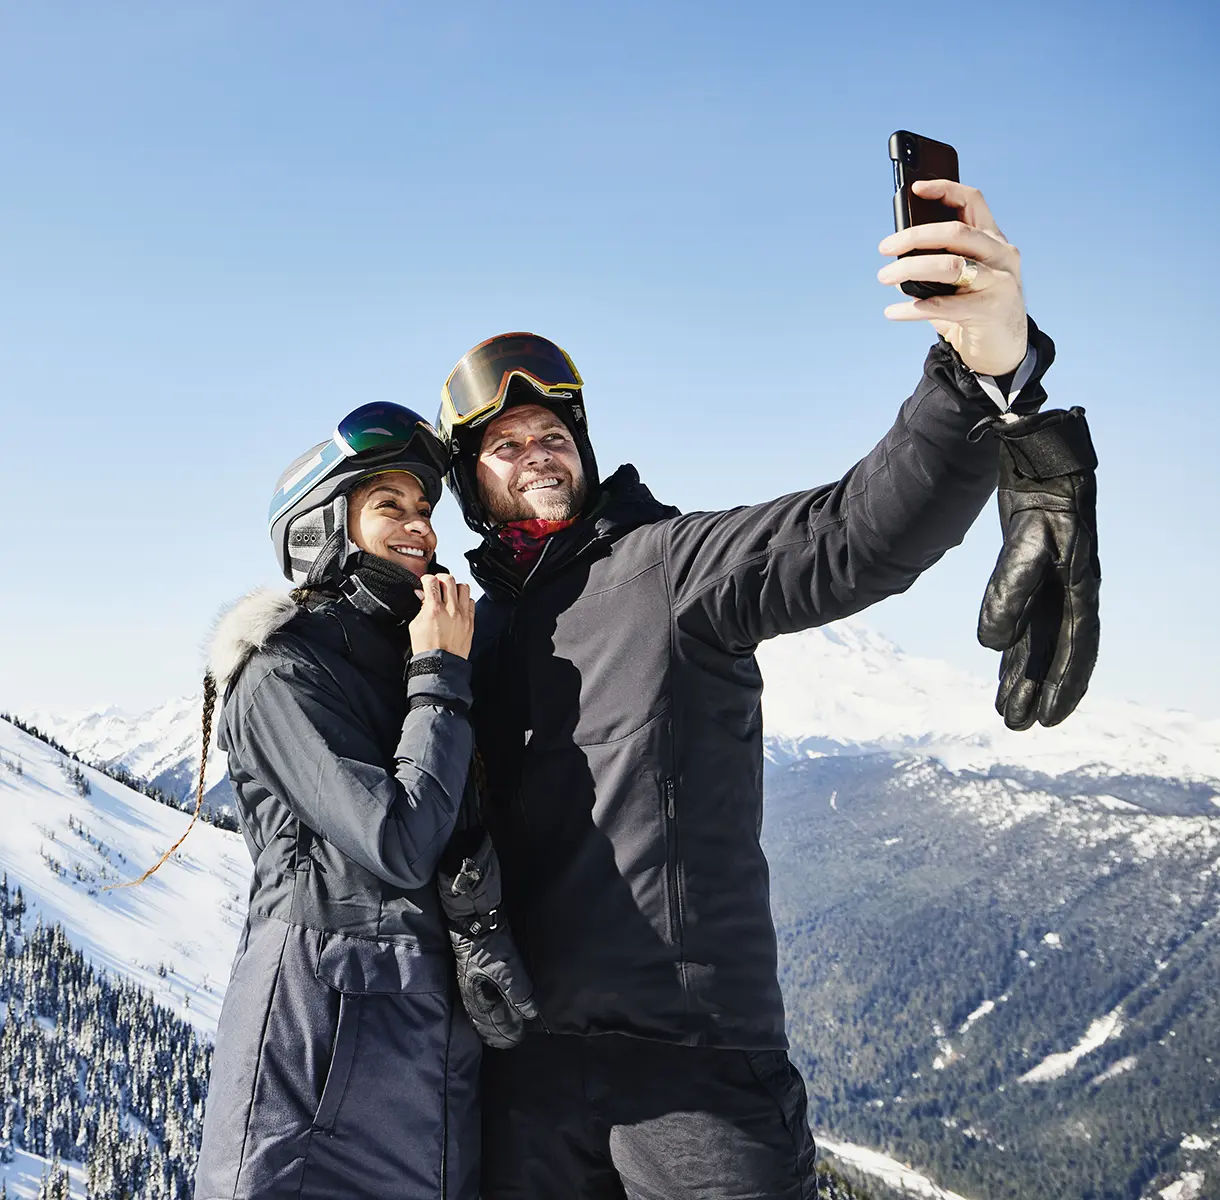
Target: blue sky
223	225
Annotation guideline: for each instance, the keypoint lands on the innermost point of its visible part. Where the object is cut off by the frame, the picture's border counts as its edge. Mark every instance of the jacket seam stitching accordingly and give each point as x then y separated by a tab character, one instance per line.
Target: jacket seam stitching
258	1070
762	556
652	566
672	773
276	669
623	737
385	939
906	439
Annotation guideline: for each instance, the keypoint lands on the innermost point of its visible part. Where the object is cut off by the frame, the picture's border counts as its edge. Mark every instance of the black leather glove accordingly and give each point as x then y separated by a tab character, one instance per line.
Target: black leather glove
494	984
1041	603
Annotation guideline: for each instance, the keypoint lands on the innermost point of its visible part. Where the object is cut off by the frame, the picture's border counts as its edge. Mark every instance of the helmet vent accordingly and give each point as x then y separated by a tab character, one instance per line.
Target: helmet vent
306	536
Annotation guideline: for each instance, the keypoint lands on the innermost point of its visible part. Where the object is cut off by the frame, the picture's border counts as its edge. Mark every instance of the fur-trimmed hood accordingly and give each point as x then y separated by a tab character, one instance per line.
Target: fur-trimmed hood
243	628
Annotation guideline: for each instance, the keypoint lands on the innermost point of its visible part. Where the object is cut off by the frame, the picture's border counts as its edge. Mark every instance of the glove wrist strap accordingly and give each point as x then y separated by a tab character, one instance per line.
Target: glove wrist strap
477	924
1044	445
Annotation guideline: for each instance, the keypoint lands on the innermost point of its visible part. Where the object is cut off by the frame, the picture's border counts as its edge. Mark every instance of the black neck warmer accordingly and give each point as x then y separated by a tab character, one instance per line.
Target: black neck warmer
383	590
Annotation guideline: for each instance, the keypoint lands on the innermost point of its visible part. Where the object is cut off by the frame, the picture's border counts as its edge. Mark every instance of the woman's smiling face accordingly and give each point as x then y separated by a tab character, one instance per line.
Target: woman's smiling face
389	516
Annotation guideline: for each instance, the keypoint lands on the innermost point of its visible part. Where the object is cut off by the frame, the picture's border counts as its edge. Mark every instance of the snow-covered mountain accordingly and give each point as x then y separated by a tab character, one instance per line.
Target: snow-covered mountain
844	689
848	689
176	933
160	746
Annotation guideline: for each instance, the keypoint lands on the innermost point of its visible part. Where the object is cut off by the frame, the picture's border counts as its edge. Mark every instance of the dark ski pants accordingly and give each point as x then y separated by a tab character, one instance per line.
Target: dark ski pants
619	1118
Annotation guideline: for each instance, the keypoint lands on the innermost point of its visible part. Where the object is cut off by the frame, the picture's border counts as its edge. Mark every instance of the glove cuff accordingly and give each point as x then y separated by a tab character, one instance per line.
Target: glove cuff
1043	445
470	895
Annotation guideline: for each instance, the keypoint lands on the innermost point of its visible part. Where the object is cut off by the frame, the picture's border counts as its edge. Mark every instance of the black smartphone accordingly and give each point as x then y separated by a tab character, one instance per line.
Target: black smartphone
915	157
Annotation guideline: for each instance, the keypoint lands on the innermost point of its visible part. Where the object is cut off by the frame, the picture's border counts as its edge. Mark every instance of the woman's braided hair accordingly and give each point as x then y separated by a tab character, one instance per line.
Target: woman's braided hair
209	703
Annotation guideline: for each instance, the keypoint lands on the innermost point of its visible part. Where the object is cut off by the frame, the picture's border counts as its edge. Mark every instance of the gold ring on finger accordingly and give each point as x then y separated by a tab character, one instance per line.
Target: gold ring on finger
968	274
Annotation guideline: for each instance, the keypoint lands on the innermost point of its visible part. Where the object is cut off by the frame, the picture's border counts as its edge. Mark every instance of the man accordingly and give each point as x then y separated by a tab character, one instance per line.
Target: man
618	718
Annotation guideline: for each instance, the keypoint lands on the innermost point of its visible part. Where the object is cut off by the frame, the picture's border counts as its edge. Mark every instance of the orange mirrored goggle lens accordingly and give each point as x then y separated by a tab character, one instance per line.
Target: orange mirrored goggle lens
478	383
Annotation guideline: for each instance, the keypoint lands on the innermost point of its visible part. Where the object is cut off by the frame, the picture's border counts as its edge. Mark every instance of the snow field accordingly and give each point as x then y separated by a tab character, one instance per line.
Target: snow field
175	934
889	1170
24	1174
1055	1066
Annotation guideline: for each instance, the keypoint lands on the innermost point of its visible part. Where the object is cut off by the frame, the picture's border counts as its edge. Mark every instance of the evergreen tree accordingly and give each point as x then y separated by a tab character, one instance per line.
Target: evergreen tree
78	1052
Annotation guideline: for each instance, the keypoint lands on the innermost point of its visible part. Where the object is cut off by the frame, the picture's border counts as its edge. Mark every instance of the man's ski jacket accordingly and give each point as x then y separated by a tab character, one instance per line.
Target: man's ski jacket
617	711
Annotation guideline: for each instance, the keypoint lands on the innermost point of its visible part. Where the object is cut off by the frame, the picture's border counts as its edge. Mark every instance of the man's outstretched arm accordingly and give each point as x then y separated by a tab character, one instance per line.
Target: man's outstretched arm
802	560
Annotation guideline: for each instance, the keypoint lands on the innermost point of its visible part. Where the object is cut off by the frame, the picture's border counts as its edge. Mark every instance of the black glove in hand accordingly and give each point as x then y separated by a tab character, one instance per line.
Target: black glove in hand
493	982
1041	603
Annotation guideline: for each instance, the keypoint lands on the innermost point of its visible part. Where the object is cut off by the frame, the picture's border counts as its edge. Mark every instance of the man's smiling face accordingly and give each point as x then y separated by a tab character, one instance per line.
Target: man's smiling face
529	467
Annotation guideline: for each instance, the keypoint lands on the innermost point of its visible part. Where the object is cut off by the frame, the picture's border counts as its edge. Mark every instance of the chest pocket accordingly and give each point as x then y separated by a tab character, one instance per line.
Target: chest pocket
599	669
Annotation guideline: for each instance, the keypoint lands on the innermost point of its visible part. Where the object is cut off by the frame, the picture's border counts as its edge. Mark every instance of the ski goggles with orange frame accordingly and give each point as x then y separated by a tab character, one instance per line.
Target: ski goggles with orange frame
476	387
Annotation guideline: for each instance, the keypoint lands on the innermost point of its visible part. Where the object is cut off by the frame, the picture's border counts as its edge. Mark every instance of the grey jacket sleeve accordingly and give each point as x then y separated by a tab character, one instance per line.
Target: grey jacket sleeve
299	737
739	577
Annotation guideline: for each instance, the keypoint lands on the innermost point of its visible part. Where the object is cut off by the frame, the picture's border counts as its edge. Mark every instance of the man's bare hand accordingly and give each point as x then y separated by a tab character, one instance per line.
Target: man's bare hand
984	322
446	620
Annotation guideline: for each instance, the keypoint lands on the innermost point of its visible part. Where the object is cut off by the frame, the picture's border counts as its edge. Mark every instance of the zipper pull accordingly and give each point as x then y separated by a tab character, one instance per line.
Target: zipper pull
669	799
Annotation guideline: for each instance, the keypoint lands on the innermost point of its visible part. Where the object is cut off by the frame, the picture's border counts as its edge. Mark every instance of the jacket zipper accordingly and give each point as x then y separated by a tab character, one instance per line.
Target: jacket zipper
671	863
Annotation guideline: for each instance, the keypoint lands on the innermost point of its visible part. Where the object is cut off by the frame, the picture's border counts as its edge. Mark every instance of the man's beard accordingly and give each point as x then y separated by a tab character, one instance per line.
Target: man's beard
550	504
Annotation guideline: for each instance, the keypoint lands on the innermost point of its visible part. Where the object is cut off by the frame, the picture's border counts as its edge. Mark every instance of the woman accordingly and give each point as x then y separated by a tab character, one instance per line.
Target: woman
344	1066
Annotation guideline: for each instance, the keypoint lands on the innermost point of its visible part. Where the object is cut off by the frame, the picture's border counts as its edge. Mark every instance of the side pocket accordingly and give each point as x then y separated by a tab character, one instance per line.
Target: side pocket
342	1055
360	971
783	1084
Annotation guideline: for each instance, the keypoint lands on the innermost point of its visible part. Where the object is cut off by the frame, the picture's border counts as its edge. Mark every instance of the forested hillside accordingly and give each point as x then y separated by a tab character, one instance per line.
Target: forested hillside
1010	982
92	1070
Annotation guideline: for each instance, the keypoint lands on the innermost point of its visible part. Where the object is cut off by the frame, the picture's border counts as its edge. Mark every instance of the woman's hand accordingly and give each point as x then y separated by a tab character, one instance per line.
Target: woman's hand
446	620
985	320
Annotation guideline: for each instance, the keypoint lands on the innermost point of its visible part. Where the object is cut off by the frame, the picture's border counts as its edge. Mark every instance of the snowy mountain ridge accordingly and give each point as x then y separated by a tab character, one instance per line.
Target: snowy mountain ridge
848	689
842	689
160	746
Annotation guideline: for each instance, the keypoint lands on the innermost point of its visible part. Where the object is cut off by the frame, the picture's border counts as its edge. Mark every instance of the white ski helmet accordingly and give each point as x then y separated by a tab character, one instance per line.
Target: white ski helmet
308	514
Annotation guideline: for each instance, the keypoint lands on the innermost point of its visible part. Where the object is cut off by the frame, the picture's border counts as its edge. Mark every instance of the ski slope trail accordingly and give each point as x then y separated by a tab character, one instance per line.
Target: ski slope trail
176	933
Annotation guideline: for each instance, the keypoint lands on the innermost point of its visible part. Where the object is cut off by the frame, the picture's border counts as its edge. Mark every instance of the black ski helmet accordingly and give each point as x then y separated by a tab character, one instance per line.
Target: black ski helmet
308	515
513	369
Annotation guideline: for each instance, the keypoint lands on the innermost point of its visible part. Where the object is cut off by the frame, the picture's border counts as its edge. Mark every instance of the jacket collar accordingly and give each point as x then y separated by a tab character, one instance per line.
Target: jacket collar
245	627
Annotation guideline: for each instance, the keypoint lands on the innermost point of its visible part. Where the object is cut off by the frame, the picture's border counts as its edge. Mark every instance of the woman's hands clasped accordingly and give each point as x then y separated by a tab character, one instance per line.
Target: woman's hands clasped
985	320
446	620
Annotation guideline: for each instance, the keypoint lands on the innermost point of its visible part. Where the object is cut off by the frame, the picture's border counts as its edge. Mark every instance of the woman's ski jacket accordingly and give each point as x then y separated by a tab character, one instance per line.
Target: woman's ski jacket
344	1063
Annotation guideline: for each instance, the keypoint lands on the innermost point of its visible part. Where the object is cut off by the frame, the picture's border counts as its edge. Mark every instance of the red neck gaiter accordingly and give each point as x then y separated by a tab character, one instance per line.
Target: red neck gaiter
525	539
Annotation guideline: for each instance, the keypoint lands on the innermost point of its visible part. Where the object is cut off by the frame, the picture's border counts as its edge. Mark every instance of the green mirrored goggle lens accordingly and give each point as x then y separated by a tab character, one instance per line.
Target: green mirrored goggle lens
378	425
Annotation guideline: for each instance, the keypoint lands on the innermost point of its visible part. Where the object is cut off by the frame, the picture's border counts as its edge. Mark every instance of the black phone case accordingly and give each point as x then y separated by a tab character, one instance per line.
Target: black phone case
915	157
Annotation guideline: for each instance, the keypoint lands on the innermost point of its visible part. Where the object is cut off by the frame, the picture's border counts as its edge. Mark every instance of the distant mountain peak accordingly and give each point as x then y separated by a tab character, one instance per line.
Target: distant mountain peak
848	689
840	689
